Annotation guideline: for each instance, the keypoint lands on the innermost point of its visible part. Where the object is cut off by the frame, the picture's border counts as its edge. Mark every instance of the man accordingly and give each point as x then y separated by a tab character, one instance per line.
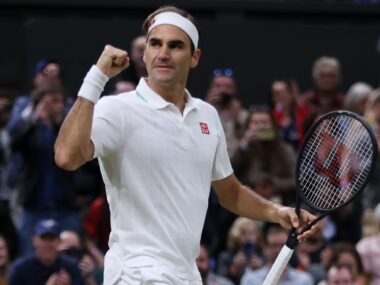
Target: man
43	189
339	275
209	277
274	239
159	150
46	267
325	95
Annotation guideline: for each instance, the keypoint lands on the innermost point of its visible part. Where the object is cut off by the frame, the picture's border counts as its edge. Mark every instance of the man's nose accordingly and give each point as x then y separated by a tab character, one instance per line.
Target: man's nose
163	53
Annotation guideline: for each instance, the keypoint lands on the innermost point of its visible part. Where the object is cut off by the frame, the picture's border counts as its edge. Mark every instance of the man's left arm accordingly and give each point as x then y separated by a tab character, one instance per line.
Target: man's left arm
243	201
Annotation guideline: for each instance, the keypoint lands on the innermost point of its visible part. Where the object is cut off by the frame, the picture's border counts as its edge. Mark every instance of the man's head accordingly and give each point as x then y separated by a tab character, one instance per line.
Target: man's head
203	262
137	51
45	241
339	275
47	72
275	237
326	73
171	49
224	84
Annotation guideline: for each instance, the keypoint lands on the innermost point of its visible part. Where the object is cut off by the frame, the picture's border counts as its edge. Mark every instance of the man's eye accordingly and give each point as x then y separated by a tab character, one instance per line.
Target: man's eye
175	45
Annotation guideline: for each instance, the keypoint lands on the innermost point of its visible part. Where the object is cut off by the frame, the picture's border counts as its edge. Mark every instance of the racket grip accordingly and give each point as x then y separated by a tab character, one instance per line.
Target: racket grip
278	266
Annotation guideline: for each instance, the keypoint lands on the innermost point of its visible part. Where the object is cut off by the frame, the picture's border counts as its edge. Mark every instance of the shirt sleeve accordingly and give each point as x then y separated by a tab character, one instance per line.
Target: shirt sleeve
222	165
107	126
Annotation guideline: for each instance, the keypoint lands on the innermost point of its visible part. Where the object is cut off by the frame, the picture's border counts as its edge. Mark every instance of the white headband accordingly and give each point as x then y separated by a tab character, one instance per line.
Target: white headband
172	18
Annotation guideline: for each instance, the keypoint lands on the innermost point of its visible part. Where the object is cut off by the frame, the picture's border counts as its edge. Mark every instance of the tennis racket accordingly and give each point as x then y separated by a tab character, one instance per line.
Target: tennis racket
335	161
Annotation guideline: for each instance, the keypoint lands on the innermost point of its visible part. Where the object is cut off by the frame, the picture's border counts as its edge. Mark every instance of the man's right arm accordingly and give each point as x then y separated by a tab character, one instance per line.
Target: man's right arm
74	147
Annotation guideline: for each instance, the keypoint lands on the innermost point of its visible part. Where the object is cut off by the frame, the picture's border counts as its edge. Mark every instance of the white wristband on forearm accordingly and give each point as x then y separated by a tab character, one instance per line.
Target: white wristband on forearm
93	84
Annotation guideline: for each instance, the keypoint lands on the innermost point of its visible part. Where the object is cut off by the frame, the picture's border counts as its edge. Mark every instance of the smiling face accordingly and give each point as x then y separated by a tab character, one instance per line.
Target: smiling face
168	56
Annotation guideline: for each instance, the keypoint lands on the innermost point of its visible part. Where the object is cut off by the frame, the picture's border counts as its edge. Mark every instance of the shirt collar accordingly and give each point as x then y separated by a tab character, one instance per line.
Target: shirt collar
145	93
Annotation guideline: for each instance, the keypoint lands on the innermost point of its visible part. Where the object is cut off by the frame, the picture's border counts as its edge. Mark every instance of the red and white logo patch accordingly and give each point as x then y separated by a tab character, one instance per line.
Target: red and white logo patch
204	128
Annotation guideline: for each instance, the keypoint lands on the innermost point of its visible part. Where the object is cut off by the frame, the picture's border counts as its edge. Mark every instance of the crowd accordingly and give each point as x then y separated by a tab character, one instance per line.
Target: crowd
54	224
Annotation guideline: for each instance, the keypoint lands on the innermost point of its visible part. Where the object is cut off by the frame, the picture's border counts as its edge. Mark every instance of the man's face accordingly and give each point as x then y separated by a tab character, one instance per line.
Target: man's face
224	84
260	121
137	51
327	78
276	238
46	248
168	56
341	276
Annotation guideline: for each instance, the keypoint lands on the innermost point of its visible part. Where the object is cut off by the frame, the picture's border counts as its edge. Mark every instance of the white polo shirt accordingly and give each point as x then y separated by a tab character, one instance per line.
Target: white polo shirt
157	166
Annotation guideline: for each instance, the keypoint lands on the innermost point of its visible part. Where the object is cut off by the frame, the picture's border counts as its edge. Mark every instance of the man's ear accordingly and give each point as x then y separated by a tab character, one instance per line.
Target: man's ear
195	58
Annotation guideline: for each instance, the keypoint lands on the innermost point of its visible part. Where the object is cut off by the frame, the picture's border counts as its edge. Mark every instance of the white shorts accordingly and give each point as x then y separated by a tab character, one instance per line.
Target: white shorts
152	275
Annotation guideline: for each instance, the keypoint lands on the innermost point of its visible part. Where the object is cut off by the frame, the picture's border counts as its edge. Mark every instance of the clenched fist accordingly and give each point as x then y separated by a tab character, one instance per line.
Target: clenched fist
112	61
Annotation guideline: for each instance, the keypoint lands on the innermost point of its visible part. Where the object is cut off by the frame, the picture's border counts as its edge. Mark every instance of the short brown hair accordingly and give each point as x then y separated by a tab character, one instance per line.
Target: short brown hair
162	9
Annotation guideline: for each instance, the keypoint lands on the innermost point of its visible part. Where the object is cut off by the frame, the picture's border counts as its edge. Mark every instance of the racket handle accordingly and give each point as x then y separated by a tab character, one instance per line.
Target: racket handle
278	266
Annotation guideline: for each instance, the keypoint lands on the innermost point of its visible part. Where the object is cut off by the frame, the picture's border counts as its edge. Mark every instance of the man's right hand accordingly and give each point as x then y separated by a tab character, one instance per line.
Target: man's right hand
112	61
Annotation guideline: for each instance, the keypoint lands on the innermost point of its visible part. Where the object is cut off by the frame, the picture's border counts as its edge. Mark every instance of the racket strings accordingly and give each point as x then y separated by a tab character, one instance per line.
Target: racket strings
335	162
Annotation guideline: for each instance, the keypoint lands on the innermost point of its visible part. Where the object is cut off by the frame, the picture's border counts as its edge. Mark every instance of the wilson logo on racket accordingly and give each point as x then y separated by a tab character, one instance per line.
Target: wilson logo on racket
204	128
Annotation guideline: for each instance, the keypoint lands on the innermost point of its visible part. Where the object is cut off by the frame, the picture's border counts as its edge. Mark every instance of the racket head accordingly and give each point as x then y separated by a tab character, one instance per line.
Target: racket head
336	159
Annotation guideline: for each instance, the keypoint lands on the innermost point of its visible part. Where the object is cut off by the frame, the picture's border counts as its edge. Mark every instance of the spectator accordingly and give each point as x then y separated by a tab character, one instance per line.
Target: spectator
209	277
223	96
71	245
243	250
263	152
44	190
7	227
325	95
122	86
46	266
137	68
371	195
97	222
288	111
5	260
346	254
275	238
339	275
357	98
369	250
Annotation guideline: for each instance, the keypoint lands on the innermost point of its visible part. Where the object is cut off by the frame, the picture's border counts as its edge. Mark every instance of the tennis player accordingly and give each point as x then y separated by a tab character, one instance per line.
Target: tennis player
159	151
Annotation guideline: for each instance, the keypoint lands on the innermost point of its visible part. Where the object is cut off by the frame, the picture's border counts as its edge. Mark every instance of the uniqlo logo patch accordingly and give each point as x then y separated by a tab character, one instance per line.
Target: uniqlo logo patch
204	128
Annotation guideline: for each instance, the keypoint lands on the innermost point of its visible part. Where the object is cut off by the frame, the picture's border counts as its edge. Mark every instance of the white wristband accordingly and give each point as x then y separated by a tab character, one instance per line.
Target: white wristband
93	84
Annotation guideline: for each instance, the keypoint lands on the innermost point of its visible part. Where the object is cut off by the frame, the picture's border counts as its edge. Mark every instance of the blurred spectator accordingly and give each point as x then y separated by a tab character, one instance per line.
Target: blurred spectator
5	260
71	245
369	250
122	86
307	257
244	250
345	254
371	195
263	152
263	185
339	275
97	222
288	111
325	95
47	72
357	97
209	277
274	239
44	190
46	266
137	68
7	227
223	96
